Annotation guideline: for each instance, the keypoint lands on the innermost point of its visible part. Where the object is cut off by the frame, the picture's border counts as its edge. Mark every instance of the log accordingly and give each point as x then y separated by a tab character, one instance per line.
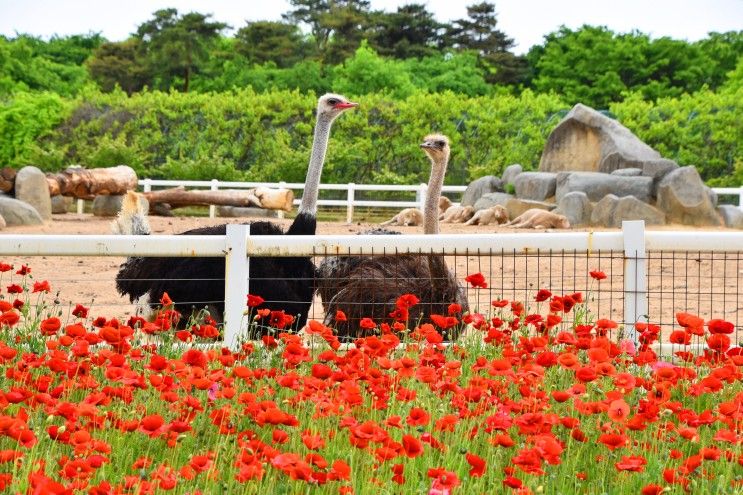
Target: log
273	199
88	183
7	179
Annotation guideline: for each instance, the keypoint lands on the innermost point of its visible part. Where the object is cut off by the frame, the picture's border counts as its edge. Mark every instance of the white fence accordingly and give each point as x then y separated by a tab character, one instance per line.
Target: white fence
633	241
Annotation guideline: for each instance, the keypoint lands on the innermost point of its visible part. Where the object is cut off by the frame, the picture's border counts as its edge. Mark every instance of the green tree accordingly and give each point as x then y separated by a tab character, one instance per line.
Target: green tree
722	51
367	72
119	64
411	31
277	42
177	46
479	33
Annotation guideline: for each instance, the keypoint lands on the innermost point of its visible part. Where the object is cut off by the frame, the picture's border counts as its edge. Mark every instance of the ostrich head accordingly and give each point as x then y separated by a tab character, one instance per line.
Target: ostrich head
330	106
436	147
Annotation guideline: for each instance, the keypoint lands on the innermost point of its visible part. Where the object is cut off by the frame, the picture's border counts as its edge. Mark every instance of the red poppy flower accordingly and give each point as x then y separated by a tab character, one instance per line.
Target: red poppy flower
688	320
418	417
42	286
412	446
597	275
407	301
477	465
613	440
718	342
340	316
720	326
4	267
50	326
14	289
499	303
476	280
80	311
618	410
9	318
680	337
631	463
652	489
24	270
367	324
254	300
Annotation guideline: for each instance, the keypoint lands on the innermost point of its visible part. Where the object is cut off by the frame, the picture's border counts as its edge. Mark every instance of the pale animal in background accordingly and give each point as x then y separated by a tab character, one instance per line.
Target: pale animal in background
495	214
444	204
457	214
406	218
536	218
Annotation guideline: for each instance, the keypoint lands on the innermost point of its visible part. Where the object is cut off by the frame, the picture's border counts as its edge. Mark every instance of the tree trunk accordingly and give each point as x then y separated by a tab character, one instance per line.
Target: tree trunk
272	199
88	183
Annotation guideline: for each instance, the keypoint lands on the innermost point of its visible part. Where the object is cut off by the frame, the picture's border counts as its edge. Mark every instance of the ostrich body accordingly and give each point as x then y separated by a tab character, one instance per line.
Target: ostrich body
497	214
369	286
284	283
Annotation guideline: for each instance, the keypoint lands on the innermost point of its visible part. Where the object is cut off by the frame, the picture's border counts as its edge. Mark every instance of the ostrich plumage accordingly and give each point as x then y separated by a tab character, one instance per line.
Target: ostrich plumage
369	286
194	283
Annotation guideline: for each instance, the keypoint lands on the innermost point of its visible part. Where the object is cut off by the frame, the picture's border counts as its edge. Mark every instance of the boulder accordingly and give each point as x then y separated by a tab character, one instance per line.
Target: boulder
16	212
517	206
612	211
510	173
536	186
107	205
589	141
576	207
478	187
32	187
596	185
627	172
731	215
245	211
492	199
657	169
684	198
61	204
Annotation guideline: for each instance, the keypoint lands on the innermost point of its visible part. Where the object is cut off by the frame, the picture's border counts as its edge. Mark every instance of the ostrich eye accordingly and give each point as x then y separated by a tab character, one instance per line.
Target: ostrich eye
333	101
440	144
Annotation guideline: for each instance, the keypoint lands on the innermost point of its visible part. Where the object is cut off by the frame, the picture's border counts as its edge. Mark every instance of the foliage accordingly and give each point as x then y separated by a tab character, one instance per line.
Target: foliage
541	397
263	41
411	31
24	119
120	64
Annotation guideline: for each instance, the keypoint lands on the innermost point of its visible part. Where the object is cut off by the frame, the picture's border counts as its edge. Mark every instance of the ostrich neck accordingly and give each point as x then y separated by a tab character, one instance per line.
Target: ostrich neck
314	171
431	206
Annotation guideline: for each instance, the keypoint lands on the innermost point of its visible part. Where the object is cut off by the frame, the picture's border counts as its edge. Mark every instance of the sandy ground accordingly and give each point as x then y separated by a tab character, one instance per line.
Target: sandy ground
699	282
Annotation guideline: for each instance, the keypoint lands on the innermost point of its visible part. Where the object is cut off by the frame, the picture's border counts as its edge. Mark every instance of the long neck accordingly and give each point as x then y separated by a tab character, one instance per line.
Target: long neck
431	206
314	171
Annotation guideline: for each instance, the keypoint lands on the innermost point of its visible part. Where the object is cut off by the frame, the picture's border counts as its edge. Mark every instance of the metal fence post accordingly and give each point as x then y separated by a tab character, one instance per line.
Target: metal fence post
635	276
236	287
212	208
350	199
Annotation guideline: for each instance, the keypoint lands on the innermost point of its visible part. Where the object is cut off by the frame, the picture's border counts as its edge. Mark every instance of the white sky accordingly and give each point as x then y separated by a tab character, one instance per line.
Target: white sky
527	21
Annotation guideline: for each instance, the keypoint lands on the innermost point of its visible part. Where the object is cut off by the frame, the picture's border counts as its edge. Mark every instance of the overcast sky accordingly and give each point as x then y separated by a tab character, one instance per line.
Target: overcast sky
526	21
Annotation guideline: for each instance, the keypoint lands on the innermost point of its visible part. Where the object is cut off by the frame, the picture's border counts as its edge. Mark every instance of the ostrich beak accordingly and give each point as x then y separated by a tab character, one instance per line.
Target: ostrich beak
344	105
426	144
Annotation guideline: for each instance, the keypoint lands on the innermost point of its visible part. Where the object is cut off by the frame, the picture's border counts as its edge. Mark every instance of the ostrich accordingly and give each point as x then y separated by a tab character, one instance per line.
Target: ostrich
284	283
369	286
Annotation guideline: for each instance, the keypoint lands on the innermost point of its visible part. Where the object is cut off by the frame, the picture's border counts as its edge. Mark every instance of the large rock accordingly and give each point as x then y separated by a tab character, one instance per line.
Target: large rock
16	212
511	172
684	198
590	141
731	215
611	211
107	205
596	185
31	186
240	211
627	172
492	199
536	186
478	187
516	206
61	204
576	207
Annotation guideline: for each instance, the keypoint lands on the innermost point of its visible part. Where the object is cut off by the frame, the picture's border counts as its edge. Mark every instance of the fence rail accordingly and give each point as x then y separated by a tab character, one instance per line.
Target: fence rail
654	273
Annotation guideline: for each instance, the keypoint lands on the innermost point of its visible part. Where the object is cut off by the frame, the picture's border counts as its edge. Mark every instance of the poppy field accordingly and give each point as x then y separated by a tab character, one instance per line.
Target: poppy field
538	396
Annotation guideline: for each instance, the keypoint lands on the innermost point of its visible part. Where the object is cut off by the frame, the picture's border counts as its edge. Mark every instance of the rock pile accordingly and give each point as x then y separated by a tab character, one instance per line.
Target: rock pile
595	172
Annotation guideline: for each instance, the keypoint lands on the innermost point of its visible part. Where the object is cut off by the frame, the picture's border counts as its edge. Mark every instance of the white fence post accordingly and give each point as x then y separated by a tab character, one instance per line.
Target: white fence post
351	198
236	287
740	198
212	208
282	185
635	276
80	206
147	186
420	197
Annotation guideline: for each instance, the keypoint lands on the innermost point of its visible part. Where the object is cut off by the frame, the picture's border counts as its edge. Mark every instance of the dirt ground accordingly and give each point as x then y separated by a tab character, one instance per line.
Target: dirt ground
701	283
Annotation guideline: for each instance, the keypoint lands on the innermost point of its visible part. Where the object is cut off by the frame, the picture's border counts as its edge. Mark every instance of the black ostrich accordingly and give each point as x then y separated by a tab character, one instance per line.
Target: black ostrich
369	286
195	283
